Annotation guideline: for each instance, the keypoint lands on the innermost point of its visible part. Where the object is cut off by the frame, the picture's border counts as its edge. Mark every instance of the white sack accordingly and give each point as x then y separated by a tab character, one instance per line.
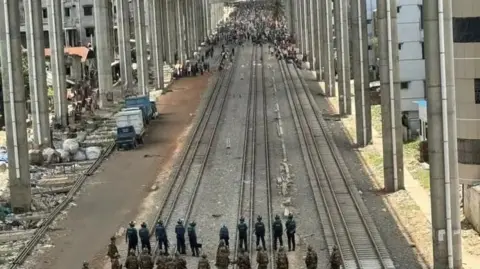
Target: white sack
71	145
79	156
64	155
93	153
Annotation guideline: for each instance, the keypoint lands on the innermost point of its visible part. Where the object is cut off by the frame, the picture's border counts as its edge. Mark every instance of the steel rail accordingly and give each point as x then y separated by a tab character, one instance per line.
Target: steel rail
22	256
267	164
342	172
201	125
342	216
250	127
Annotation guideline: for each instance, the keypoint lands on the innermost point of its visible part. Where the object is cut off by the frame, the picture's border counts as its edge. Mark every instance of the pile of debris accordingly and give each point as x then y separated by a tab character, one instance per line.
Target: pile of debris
53	174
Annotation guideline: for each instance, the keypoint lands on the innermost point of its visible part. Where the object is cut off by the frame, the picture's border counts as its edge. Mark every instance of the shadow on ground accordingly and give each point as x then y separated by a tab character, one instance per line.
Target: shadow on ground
402	251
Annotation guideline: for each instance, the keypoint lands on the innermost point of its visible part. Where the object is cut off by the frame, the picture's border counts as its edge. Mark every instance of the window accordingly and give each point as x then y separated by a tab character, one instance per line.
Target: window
45	13
477	90
114	10
369	47
66	12
400	46
423	49
425	90
466	30
90	31
398	9
404	85
421	16
88	10
369	21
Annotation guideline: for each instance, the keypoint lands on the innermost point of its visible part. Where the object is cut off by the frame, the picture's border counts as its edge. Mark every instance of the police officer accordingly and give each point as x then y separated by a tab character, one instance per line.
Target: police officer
192	239
132	237
260	232
85	265
277	232
222	260
112	248
146	260
282	259
291	229
335	258
262	258
311	259
180	263
144	234
116	262
161	235
180	232
132	261
224	234
203	263
242	233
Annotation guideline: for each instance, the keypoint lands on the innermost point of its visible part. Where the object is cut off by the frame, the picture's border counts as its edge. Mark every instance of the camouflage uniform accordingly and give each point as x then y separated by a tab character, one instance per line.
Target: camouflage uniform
170	263
222	260
132	261
262	259
162	261
180	263
243	260
146	261
311	259
203	263
335	258
282	259
85	265
112	248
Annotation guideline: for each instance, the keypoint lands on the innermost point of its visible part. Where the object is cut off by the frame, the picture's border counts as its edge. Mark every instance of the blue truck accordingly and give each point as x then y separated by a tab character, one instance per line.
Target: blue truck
142	102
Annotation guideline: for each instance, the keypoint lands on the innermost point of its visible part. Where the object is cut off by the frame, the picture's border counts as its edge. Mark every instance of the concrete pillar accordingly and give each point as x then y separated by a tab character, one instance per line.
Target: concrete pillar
110	37
125	50
103	50
14	104
391	111
57	60
327	45
187	23
305	45
180	31
167	51
310	39
37	72
363	117
316	38
76	69
158	40
208	13
140	46
343	85
295	19
438	119
346	54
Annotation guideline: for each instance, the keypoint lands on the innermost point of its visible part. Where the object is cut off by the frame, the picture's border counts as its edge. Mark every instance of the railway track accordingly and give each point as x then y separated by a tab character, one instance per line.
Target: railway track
40	233
337	201
255	192
194	158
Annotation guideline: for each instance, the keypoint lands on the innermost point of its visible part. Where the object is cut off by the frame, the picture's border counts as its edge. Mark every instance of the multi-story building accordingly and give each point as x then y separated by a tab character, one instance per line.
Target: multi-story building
411	56
78	22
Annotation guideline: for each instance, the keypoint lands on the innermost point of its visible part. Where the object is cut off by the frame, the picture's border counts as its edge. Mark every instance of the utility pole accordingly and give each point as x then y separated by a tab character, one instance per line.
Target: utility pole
37	72
442	135
363	116
390	97
15	108
327	45
57	59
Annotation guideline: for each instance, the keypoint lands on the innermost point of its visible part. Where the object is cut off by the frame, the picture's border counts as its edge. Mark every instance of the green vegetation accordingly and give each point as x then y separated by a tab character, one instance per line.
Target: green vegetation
410	152
25	76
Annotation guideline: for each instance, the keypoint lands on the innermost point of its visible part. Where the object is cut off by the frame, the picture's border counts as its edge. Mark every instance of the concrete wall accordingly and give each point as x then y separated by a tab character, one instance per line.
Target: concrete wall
472	211
467	71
